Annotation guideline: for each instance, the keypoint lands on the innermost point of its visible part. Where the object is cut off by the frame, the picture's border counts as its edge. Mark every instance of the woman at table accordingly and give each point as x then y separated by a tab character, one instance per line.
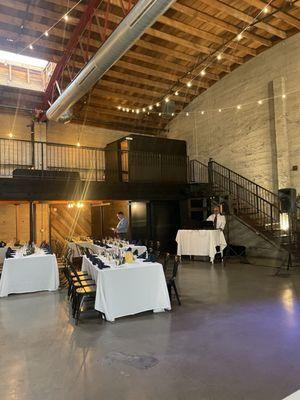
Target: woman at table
217	218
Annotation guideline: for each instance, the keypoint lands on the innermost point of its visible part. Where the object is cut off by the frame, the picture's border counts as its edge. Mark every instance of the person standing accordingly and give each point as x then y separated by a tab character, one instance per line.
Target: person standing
217	218
122	227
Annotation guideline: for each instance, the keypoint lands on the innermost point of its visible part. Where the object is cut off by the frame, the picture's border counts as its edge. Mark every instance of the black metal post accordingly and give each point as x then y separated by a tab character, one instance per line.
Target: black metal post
32	214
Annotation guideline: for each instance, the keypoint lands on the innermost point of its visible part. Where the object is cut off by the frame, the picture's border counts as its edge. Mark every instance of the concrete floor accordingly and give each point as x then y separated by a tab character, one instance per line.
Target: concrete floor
235	337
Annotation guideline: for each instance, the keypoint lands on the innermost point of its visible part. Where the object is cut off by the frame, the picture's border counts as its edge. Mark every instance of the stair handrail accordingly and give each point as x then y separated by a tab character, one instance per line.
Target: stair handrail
256	185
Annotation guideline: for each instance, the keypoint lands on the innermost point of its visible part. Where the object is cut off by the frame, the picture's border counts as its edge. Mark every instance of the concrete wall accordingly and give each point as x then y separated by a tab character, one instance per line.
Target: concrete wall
87	135
261	142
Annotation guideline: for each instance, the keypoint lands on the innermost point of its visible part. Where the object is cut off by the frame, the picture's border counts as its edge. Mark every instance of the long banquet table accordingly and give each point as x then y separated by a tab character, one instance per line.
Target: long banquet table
33	273
140	249
129	289
200	242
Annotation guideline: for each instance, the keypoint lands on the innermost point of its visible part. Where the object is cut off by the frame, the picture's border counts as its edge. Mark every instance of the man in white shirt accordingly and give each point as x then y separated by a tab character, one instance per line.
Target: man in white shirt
218	219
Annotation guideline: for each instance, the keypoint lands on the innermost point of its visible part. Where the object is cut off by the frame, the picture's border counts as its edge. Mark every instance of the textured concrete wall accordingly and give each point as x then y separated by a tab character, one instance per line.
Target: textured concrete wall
261	142
56	132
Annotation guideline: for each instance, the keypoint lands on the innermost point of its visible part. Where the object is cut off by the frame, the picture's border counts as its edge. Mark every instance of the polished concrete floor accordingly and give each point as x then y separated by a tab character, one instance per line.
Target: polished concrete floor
236	337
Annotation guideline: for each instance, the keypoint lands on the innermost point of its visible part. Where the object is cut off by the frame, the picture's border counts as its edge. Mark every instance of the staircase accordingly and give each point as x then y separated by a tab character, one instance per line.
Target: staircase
253	205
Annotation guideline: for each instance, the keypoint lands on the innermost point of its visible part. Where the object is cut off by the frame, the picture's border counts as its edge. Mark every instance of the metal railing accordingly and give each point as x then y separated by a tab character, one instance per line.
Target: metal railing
257	206
88	161
93	164
198	172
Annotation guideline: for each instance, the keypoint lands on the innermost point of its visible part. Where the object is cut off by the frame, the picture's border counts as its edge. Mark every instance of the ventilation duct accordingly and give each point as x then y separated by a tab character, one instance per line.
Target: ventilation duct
142	16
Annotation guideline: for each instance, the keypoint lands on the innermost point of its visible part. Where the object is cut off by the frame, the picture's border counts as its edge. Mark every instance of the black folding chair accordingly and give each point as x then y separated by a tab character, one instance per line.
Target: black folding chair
170	274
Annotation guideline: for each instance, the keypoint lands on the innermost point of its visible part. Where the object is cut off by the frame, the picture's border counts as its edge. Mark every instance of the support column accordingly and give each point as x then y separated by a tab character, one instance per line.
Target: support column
281	134
32	213
40	135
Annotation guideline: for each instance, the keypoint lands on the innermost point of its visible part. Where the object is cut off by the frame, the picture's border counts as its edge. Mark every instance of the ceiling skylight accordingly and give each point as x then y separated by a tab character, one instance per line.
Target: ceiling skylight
7	57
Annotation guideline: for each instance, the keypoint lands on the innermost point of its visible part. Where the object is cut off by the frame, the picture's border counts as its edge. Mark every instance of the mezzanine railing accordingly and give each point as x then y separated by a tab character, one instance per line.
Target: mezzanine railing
93	164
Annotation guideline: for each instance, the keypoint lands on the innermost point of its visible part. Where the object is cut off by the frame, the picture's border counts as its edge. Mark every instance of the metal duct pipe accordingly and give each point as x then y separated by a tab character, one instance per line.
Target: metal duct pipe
143	15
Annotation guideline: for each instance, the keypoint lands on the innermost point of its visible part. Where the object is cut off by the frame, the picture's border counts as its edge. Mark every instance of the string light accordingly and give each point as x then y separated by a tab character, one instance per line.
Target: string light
189	84
266	10
66	17
176	93
10	134
150	108
167	99
187	114
219	56
202	112
144	109
172	114
220	109
238	106
132	111
31	47
239	37
123	109
260	102
127	110
202	73
283	96
78	144
119	107
157	104
137	111
159	114
46	33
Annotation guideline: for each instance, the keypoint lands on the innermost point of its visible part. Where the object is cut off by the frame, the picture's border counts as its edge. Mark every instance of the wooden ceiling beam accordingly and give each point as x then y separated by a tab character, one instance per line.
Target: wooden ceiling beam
182	27
276	13
240	15
119	126
203	17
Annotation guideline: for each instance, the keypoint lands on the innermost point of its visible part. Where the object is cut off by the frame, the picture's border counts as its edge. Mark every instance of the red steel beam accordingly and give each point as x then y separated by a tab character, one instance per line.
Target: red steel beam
73	41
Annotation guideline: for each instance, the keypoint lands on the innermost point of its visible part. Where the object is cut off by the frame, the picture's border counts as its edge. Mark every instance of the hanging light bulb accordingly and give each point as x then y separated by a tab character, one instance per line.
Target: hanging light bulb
172	114
266	10
46	33
238	106
132	111
189	84
31	47
78	144
187	114
202	73
10	134
159	114
127	110
167	99
66	17
157	104
283	96
219	56
220	109
176	93
137	111
150	108
119	107
144	109
123	109
239	37
260	102
202	112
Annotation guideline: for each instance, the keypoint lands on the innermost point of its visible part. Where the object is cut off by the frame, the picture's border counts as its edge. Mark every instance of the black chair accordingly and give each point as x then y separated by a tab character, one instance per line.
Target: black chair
171	270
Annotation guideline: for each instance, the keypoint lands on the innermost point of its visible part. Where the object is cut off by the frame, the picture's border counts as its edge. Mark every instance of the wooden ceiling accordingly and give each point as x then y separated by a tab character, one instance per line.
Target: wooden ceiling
180	41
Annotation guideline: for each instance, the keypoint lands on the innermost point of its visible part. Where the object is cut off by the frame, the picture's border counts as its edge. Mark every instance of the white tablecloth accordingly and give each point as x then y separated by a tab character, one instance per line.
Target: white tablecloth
200	242
140	249
129	289
29	274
